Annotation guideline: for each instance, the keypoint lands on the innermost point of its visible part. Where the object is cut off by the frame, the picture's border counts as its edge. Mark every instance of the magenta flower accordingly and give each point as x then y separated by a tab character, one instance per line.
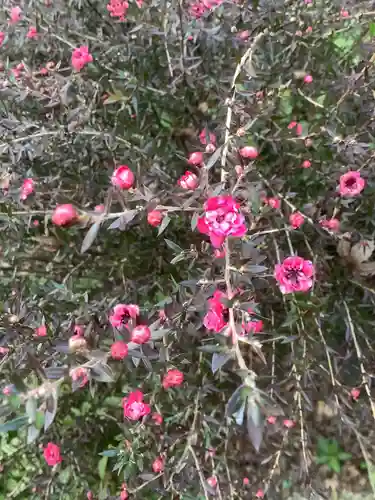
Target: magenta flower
80	57
249	152
188	181
331	224
214	319
222	218
351	183
118	8
119	350
134	407
196	159
296	220
27	188
52	454
173	378
141	334
207	137
122	313
123	177
295	274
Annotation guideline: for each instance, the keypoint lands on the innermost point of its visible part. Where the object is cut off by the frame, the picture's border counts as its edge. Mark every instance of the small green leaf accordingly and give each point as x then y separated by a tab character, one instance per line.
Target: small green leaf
14	425
102	466
39	420
372	29
173	246
109	453
89	239
219	360
31	407
343	456
163	226
32	434
334	464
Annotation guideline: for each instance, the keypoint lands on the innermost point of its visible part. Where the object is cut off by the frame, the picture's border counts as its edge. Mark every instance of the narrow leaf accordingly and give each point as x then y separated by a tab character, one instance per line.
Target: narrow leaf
219	360
102	466
51	410
255	424
163	226
32	434
214	158
89	239
14	425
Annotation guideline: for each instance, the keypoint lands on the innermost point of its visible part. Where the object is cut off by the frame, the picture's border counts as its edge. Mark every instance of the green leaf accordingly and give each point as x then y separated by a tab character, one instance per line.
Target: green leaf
255	424
334	464
173	246
102	373
163	226
89	239
219	360
115	97
39	419
102	466
109	453
15	424
51	408
213	158
31	407
32	434
343	456
65	475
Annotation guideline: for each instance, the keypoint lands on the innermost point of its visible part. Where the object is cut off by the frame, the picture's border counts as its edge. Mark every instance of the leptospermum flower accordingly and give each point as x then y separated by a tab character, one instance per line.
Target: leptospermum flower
273	202
118	8
52	454
296	220
295	274
196	159
134	406
80	375
212	481
308	79
32	33
306	164
15	15
157	418
141	334
119	350
188	181
214	318
330	224
249	152
155	218
122	313
351	183
355	393
41	331
207	137
27	188
158	465
64	215
123	177
173	378
80	57
2	37
222	218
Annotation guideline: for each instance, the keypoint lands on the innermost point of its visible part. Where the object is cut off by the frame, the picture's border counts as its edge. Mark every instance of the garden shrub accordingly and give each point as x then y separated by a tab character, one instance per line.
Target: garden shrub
186	211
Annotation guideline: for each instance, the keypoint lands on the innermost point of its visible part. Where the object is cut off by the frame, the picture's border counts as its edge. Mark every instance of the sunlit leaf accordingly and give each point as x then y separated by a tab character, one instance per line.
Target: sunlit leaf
89	239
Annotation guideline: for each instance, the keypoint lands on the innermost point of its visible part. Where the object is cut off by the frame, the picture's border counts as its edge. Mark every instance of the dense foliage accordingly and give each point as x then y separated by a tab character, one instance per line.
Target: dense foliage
186	210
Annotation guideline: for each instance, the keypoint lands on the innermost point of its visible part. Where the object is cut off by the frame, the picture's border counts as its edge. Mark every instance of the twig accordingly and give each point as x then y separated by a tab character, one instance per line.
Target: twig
359	356
200	473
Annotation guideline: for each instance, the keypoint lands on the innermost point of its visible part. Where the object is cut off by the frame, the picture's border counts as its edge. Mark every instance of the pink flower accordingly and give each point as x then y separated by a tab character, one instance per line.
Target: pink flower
207	137
259	493
99	209
122	313
158	465
173	378
271	420
118	8
214	318
254	326
15	15
139	3
306	164
210	148
119	350
64	215
52	454
331	224
351	183
299	129
296	220
2	37
243	35
308	79
43	71
195	158
273	202
155	218
344	13
141	334
123	177
7	390
134	407
309	29
80	57
78	330
219	253
212	481
4	350
124	495
27	188
288	423
249	152
188	181
79	374
222	218
295	274
32	33
197	9
41	331
355	393
157	418
292	125
246	481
